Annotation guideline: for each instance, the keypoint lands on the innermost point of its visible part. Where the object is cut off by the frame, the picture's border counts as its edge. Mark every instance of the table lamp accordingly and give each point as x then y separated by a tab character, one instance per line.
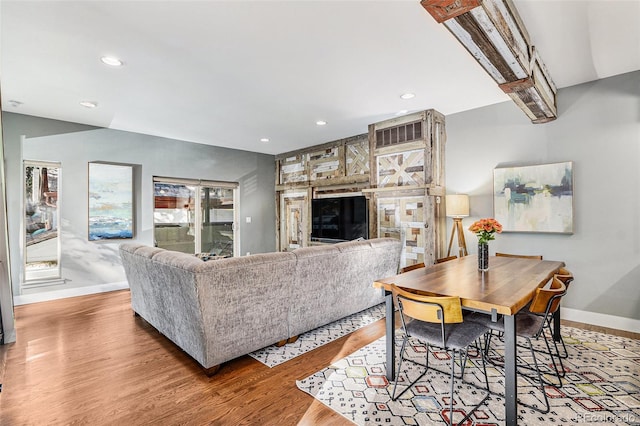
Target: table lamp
457	208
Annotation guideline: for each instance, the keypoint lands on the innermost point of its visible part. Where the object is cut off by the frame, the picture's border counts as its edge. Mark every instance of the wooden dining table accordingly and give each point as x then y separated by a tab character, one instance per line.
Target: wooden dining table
508	285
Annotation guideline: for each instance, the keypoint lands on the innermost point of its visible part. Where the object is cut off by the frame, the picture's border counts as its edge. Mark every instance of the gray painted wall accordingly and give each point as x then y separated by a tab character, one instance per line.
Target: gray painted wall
598	128
13	126
89	263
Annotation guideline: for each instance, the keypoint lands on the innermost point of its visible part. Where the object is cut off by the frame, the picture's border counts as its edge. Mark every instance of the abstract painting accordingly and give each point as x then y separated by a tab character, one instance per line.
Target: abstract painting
110	201
534	198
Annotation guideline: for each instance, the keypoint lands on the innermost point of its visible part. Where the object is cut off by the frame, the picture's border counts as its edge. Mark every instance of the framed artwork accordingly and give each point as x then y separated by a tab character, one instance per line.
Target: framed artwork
534	198
110	201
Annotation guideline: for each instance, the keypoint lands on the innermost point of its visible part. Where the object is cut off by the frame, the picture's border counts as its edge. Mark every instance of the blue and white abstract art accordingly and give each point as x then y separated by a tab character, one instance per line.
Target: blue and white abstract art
110	201
534	198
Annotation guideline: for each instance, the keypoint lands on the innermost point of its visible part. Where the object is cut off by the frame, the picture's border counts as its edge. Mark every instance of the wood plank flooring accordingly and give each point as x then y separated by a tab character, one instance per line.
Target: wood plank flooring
89	360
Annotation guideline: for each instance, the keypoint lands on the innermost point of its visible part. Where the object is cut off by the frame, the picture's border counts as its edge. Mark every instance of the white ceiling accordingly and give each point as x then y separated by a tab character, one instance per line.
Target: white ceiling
228	73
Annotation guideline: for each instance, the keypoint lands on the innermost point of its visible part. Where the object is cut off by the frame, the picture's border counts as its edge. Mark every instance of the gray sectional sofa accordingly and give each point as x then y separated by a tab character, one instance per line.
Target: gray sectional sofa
221	309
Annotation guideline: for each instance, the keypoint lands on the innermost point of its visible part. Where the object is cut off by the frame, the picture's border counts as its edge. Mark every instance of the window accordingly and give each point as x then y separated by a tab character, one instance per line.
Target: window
41	221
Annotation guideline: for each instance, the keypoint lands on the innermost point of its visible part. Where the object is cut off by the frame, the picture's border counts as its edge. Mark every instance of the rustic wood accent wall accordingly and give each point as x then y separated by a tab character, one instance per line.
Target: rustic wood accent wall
335	167
407	185
398	166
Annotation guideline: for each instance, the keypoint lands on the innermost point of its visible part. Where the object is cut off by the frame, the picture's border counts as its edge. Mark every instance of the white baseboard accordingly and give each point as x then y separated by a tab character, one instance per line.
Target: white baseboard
602	320
45	296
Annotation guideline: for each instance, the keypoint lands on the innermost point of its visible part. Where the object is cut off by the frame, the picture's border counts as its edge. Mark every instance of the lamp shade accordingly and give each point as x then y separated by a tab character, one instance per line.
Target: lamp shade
457	205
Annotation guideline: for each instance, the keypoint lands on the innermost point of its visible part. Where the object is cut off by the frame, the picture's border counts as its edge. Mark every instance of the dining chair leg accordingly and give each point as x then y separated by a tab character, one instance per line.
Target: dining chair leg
565	354
427	361
463	361
453	364
540	381
410	385
560	373
558	338
487	342
395	384
486	382
484	368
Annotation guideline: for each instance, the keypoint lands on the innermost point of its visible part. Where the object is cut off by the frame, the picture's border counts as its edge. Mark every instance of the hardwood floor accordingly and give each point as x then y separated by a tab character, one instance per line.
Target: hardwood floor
89	360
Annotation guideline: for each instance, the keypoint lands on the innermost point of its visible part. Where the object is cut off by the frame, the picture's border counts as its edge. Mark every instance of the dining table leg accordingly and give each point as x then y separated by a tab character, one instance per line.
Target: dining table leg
390	324
510	379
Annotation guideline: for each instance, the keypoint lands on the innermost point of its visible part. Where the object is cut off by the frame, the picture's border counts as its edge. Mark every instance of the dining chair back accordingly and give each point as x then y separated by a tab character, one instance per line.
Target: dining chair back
446	259
521	256
434	309
547	300
412	267
566	277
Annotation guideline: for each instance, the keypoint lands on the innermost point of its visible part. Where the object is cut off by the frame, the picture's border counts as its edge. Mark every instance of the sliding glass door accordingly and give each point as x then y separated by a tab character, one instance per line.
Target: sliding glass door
194	216
41	204
173	216
217	232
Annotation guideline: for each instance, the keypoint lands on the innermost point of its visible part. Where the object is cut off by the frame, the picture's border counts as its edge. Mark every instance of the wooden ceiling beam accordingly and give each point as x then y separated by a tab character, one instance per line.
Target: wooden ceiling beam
493	32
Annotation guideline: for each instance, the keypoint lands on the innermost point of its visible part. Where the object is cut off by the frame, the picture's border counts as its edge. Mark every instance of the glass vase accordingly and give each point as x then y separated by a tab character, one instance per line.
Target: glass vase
483	257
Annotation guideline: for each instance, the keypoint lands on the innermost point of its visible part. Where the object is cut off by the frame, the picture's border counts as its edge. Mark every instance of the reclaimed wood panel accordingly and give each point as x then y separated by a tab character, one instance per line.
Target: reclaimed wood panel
401	169
294	169
326	163
294	228
403	218
357	158
294	209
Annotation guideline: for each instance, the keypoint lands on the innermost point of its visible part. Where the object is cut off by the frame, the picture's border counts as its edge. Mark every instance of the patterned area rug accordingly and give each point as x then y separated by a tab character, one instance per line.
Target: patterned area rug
601	386
273	355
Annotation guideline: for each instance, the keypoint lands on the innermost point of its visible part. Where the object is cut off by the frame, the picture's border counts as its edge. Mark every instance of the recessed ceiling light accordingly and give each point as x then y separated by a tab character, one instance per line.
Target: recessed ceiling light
111	61
407	96
89	104
321	123
264	139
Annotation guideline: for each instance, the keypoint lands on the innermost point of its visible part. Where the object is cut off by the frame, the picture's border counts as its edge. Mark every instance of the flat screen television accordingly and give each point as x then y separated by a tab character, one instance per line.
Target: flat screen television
339	219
